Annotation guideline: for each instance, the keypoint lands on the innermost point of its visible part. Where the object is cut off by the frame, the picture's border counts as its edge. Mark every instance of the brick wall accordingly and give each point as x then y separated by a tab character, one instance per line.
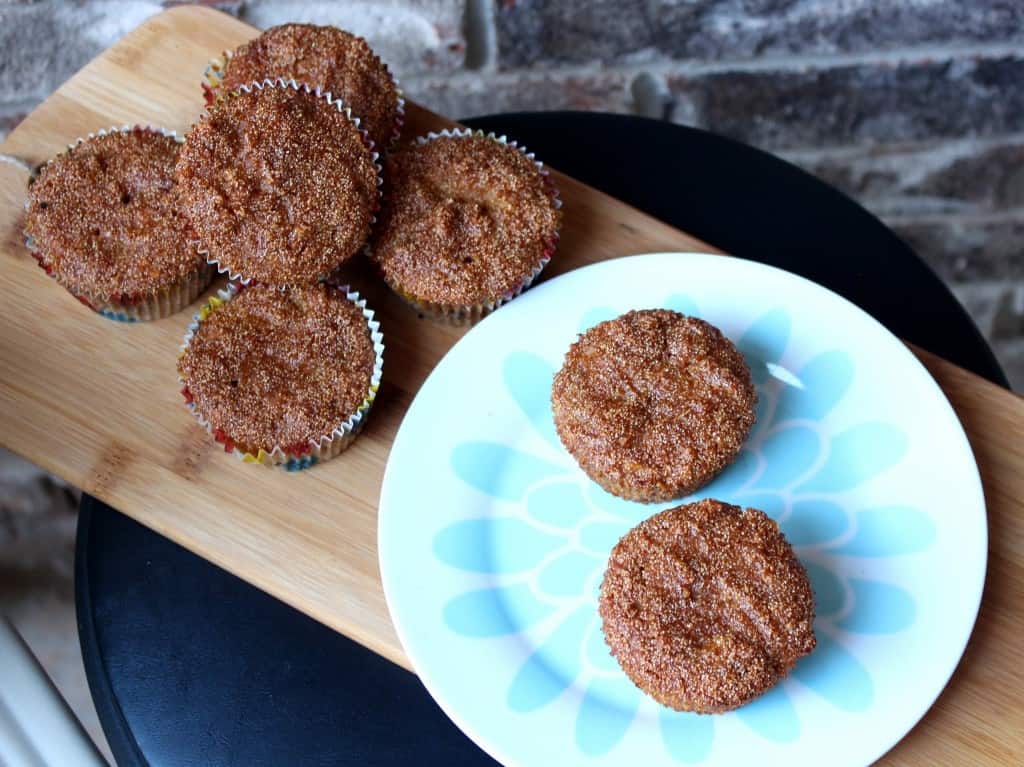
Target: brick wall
913	107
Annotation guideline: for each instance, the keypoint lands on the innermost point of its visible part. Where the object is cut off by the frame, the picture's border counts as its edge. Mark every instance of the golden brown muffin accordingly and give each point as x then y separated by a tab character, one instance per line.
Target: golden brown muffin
279	185
105	219
279	368
653	404
468	222
327	58
706	607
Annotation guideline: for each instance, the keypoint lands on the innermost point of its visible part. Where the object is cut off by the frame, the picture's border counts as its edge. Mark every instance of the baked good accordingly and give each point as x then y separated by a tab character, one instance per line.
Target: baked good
653	404
279	184
104	218
283	376
705	606
468	223
327	58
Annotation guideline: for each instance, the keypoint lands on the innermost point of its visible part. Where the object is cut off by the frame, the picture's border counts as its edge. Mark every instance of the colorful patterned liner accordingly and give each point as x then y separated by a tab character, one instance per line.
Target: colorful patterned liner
338	104
213	76
129	308
318	451
456	314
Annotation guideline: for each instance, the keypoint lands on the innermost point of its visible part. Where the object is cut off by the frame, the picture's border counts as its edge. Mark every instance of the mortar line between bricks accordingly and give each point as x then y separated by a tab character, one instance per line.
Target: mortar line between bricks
957	146
938	217
688	67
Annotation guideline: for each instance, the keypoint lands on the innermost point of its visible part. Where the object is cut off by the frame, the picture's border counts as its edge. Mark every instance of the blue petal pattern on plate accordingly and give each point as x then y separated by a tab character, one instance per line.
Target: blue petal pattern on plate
559	528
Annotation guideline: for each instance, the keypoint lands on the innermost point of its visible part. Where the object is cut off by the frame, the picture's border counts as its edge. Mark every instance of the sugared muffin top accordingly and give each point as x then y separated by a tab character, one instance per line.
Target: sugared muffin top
653	404
279	185
465	220
106	218
705	606
327	58
277	367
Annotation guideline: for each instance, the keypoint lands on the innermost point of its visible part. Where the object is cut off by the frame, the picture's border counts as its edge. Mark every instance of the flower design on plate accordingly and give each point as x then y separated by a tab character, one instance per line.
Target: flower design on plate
543	556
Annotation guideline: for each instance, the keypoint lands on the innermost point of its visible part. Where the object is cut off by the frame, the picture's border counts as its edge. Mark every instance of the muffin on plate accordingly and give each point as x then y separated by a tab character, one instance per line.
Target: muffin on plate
468	222
653	404
283	376
327	58
280	185
706	607
104	218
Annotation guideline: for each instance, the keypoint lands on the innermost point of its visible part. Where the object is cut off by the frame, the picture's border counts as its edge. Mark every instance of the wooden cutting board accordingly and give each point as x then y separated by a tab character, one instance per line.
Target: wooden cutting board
97	403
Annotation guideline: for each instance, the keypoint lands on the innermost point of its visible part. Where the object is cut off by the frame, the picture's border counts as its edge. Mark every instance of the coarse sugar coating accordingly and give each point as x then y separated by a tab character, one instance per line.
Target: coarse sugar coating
466	221
282	368
105	218
279	185
327	58
653	404
705	606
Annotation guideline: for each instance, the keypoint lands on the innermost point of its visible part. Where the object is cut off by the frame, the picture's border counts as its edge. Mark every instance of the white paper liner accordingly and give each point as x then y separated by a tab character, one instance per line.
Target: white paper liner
166	301
213	79
328	446
338	104
459	314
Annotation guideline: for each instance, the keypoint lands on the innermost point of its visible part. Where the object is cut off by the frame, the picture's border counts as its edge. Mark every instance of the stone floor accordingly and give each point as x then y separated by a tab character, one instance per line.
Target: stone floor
37	551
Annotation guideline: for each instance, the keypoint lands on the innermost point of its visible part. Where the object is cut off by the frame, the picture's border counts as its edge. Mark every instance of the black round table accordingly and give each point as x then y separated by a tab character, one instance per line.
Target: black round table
189	665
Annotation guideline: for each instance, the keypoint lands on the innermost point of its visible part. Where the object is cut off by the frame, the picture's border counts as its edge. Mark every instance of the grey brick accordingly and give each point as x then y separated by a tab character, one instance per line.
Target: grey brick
871	102
1011	356
1008	323
950	176
534	32
232	7
471	95
981	299
43	43
412	36
964	249
994	177
723	29
9	121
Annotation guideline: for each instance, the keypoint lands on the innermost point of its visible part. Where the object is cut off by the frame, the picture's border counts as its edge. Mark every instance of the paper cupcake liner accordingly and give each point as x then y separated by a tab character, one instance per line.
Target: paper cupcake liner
316	451
462	314
338	104
166	301
213	79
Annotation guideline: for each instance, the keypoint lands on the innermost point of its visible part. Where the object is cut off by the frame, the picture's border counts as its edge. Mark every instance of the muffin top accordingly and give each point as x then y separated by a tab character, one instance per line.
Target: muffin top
281	368
279	185
653	403
327	58
105	218
465	220
705	606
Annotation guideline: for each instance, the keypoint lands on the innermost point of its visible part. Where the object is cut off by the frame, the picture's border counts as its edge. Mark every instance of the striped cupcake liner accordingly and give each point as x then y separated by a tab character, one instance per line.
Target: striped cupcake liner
141	307
460	314
338	104
213	79
315	451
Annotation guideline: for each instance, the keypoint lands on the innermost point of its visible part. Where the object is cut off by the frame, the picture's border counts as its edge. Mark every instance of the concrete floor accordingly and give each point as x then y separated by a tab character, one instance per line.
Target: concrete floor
37	552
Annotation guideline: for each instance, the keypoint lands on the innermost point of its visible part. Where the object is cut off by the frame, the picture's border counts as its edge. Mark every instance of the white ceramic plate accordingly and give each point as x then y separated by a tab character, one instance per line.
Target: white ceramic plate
493	542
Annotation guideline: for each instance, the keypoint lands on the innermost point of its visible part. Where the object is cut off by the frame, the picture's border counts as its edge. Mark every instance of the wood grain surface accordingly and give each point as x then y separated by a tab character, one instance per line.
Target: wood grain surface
97	403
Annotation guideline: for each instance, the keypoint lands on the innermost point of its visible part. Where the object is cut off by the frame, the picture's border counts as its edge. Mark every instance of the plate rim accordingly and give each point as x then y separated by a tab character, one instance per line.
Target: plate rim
976	591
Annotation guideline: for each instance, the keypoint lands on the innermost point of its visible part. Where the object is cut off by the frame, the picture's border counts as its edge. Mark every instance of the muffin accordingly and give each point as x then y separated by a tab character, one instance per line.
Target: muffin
653	404
706	607
104	218
327	58
279	183
468	222
282	376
